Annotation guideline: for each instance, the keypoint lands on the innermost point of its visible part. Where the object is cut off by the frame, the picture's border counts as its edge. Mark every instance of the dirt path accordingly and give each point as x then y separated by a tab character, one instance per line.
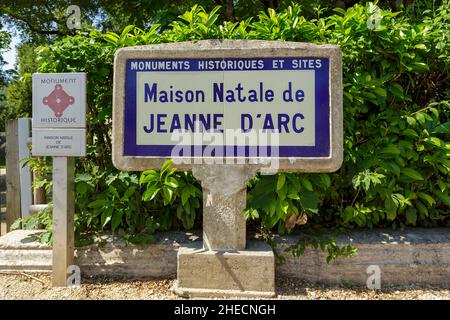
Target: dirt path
23	287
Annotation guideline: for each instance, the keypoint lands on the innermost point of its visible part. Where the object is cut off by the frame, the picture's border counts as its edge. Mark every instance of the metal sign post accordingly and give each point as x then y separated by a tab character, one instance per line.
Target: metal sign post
59	130
63	214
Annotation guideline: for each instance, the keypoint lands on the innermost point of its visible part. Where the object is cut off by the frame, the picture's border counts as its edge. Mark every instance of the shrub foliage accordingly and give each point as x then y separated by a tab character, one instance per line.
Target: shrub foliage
396	122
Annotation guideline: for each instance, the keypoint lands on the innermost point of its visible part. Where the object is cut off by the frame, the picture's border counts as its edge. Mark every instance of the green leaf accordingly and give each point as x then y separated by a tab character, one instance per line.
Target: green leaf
306	183
283	192
148	176
442	128
442	186
294	183
429	199
113	190
411	215
16	224
165	166
111	178
171	182
293	196
99	203
126	30
392	166
411	121
150	193
116	219
411	173
106	216
397	90
325	181
410	133
391	150
130	191
83	177
281	180
310	201
420	67
423	211
111	38
443	196
187	207
251	214
434	141
390	207
420	46
168	193
380	91
187	218
185	194
420	117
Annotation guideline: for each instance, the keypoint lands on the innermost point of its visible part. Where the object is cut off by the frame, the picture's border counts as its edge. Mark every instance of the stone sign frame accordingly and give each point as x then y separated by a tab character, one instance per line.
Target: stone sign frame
232	49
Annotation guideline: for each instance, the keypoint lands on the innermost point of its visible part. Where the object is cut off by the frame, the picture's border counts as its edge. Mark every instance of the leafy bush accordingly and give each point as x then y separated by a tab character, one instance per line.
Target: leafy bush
396	110
173	191
134	208
41	220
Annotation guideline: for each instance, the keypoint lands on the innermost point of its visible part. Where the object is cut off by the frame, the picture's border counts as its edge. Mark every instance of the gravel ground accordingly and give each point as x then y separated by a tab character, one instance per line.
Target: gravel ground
38	286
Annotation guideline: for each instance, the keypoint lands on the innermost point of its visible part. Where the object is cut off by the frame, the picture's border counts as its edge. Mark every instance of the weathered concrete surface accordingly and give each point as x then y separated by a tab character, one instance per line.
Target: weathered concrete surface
2	200
22	240
156	260
404	257
223	204
21	250
420	256
225	265
36	208
2	224
205	273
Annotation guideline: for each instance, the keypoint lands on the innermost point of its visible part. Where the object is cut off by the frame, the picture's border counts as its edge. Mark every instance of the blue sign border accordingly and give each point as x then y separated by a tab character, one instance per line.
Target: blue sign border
322	111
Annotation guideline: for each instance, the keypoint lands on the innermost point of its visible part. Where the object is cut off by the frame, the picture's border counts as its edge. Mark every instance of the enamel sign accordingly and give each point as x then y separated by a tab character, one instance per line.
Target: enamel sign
245	104
59	114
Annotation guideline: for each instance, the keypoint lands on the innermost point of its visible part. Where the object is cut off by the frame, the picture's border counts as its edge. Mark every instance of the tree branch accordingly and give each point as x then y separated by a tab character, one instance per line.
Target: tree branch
270	4
31	26
229	10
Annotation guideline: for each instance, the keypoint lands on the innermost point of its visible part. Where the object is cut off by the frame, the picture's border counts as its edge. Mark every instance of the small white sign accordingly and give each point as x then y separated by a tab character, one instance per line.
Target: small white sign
59	142
59	100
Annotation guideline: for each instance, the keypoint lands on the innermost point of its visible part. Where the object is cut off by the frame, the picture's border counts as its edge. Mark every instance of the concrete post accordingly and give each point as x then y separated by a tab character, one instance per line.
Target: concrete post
24	171
39	196
18	177
225	265
12	174
224	200
63	214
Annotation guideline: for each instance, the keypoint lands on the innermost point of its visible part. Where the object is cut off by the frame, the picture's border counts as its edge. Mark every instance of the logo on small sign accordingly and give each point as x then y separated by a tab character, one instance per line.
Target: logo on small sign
58	100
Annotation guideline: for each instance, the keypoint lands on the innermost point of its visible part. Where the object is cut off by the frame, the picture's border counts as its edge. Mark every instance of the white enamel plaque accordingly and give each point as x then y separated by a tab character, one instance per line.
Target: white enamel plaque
59	142
59	102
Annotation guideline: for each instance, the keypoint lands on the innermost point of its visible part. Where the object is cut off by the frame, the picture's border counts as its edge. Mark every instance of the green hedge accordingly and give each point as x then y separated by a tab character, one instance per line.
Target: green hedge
396	122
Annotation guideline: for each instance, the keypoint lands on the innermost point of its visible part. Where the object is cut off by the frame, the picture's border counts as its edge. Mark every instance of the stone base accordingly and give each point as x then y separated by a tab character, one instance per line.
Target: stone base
216	293
227	273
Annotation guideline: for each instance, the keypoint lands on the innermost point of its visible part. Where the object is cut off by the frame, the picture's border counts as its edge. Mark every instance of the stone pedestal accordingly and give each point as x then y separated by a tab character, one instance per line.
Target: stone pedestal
225	265
222	273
